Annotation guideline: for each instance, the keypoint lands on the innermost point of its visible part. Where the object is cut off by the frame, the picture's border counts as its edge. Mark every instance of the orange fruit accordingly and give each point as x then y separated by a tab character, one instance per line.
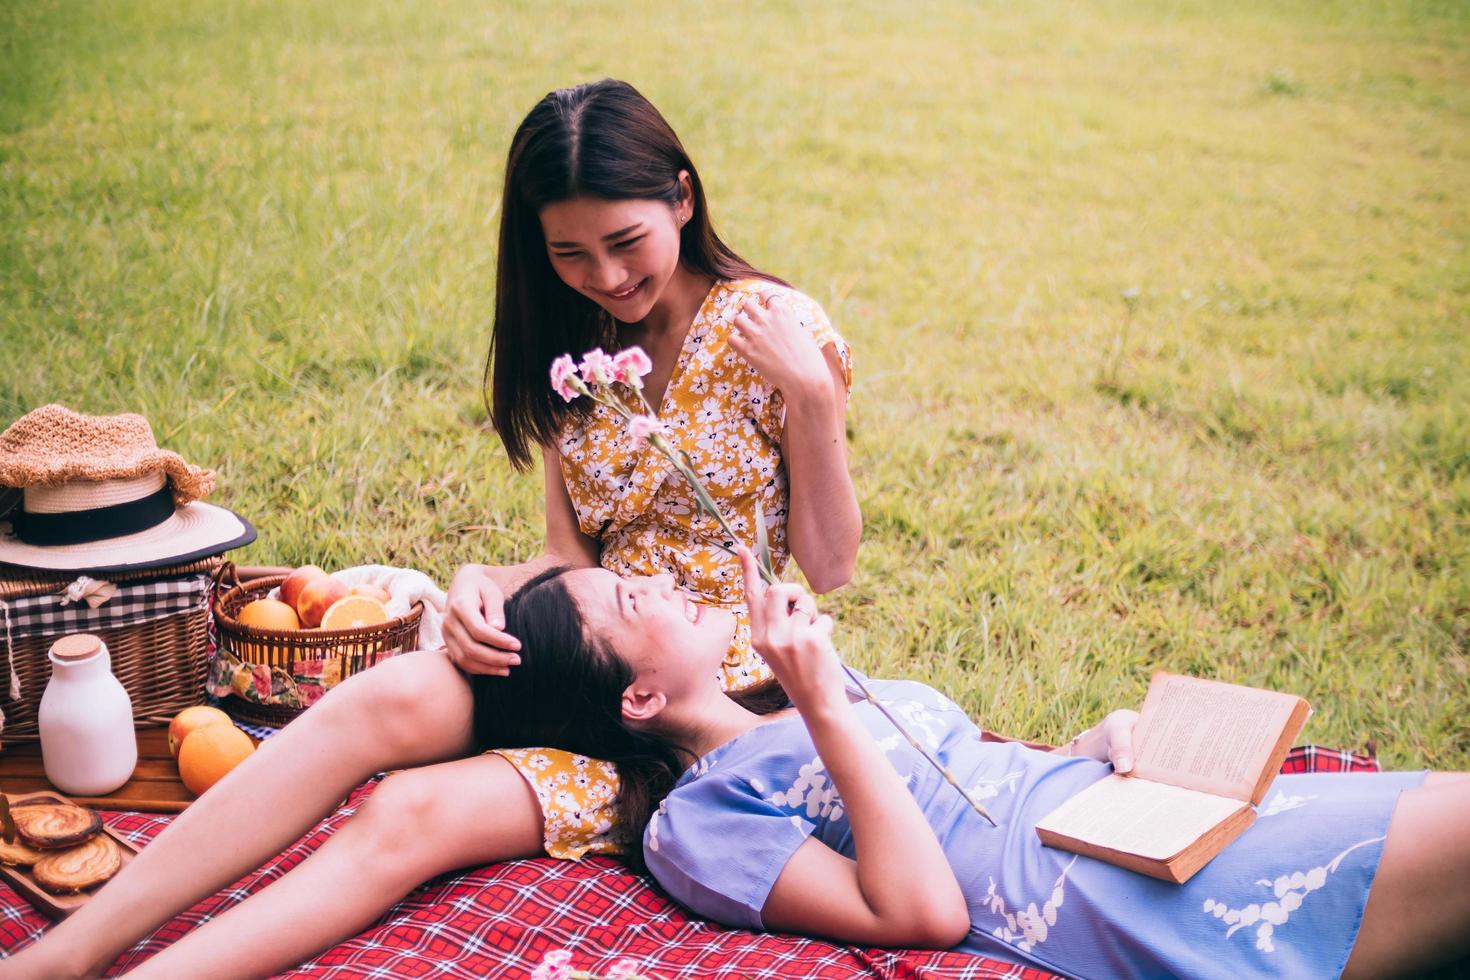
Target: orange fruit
186	721
208	753
355	610
269	614
373	591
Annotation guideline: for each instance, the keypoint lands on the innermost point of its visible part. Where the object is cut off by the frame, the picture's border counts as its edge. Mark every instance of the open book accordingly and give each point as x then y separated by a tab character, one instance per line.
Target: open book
1205	753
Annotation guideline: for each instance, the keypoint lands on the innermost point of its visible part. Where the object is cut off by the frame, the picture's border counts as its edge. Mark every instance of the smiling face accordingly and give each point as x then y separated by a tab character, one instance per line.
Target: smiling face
671	642
619	254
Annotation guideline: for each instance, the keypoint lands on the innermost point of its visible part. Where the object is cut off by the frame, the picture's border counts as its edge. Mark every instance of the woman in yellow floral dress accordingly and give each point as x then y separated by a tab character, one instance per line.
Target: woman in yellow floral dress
748	375
605	240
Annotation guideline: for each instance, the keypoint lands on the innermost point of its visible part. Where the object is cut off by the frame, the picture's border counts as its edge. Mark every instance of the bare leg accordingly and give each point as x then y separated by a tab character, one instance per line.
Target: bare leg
416	825
1418	913
411	710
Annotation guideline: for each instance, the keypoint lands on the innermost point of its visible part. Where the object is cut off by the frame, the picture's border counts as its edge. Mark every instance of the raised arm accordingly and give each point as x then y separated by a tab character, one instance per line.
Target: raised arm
824	523
474	620
900	891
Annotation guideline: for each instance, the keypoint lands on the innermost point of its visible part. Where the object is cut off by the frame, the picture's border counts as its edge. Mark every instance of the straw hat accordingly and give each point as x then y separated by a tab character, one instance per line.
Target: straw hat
97	494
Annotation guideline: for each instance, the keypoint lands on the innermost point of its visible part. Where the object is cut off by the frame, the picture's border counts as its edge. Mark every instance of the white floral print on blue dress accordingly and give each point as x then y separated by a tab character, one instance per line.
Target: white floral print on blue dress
1031	904
1289	892
1028	927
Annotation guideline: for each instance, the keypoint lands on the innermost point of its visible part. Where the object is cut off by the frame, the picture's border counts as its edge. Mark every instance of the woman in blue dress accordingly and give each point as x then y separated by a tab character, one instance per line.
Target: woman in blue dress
820	819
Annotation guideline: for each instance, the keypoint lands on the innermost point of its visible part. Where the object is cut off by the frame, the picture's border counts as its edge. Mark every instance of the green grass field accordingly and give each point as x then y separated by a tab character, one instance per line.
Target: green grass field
1159	308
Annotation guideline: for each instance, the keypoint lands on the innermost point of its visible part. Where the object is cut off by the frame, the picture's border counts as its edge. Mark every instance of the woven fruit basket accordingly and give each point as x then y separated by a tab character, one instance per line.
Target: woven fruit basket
268	677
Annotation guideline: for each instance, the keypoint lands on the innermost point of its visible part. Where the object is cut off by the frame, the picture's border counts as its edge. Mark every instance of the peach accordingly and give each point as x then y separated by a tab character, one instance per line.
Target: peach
371	591
317	597
298	580
190	719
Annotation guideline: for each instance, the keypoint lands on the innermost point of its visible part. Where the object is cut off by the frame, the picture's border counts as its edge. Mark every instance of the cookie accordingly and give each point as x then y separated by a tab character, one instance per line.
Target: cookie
7	825
19	855
77	868
48	826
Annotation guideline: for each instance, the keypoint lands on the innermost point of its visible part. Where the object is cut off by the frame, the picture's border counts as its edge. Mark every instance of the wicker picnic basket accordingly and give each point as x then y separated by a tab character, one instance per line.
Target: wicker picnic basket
160	661
268	677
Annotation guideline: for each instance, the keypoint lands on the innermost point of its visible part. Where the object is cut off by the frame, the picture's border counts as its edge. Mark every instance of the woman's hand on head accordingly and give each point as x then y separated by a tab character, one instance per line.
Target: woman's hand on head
794	639
474	625
771	338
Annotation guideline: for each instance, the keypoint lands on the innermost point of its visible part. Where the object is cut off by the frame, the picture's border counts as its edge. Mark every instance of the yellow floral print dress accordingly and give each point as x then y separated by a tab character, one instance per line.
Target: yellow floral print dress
729	420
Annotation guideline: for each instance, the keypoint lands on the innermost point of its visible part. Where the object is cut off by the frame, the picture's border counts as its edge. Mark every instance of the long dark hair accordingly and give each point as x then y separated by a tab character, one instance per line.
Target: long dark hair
601	140
567	694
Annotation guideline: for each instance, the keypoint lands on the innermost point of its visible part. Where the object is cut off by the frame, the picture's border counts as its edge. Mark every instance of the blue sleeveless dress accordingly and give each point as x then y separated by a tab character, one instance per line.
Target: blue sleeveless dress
1285	899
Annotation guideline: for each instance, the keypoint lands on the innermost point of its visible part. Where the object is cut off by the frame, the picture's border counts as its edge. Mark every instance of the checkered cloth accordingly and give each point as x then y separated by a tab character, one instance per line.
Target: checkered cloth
133	603
501	920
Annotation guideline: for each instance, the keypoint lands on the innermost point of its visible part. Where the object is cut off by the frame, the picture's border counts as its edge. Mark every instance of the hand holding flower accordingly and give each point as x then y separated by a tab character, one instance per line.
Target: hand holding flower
796	641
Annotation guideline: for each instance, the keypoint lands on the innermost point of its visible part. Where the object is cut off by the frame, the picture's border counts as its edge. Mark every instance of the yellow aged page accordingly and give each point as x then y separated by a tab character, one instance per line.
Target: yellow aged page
1208	735
1152	820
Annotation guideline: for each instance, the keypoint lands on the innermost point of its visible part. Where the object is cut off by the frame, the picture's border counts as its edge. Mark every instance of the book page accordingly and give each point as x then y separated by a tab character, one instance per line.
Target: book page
1152	820
1208	735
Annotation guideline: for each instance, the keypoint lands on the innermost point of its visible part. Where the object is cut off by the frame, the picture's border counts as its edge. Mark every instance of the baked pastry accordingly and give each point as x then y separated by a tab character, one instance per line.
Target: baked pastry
77	868
48	826
19	854
7	825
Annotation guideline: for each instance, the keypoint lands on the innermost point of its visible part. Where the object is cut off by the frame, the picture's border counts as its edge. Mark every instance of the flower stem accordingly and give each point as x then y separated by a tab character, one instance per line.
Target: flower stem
685	466
943	769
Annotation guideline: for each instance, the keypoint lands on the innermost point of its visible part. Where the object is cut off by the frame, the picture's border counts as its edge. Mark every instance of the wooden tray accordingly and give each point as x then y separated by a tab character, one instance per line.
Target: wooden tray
154	788
55	906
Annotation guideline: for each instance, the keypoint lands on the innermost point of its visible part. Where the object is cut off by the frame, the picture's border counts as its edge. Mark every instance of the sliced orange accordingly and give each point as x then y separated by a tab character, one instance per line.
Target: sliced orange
353	611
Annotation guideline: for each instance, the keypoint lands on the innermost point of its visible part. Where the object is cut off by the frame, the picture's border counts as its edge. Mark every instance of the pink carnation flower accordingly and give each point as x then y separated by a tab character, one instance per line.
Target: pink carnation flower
640	427
563	370
623	969
597	367
630	365
555	965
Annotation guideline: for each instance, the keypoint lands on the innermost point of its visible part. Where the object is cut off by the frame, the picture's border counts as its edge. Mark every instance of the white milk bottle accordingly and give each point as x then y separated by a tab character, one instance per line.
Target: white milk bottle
88	745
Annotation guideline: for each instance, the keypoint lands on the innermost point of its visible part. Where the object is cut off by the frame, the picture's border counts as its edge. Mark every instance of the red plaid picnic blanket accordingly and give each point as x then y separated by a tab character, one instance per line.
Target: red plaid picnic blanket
502	919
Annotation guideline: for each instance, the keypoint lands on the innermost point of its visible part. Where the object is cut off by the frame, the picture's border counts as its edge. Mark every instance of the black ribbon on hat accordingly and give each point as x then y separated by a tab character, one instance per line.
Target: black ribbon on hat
98	524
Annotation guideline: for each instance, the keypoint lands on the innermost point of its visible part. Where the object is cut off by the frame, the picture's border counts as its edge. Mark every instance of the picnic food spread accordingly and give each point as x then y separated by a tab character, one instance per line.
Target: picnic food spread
312	599
62	843
287	637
